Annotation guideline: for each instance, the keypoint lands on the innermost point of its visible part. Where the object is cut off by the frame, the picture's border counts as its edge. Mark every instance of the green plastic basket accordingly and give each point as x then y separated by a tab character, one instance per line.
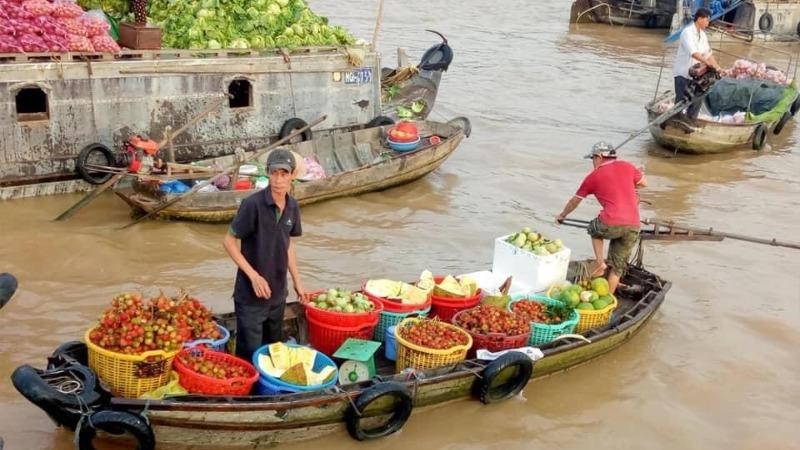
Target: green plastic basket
542	333
388	319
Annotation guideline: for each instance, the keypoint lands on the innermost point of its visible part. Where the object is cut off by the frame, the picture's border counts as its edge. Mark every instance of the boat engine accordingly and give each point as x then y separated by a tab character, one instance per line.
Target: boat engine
703	77
140	155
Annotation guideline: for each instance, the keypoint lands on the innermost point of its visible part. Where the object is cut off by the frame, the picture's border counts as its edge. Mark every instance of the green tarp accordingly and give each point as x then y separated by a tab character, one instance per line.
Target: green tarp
763	101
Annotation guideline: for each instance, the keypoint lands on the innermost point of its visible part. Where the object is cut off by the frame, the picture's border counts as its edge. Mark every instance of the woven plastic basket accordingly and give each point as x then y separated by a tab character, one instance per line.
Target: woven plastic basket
418	357
198	383
595	318
130	375
328	338
492	341
389	319
542	333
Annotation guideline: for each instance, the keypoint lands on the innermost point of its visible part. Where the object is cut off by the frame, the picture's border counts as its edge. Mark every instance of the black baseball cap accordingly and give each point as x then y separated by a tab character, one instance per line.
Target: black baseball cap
280	159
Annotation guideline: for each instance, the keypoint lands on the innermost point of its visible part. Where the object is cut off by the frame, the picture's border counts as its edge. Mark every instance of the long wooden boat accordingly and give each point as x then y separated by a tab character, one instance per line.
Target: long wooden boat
701	136
261	421
644	13
355	162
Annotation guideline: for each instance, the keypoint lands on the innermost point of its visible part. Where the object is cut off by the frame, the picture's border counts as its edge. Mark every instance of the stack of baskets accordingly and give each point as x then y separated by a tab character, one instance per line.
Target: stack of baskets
542	333
394	312
410	355
446	307
492	341
327	330
198	383
130	375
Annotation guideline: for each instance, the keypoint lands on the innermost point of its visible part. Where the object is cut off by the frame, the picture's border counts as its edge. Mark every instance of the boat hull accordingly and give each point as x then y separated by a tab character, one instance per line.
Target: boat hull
647	14
386	173
263	421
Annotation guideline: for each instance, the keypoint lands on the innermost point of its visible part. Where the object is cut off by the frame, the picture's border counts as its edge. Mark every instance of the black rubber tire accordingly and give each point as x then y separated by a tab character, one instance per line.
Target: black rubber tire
379	121
489	394
759	136
785	118
295	124
395	422
64	409
766	22
69	353
90	176
115	422
795	106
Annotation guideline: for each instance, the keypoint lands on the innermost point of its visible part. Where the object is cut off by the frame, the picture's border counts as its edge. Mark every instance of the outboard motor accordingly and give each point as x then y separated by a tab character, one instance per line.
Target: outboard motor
703	77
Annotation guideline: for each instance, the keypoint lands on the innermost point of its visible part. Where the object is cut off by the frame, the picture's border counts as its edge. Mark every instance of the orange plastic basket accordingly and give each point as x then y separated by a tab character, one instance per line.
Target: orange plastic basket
198	383
493	341
328	338
418	357
130	375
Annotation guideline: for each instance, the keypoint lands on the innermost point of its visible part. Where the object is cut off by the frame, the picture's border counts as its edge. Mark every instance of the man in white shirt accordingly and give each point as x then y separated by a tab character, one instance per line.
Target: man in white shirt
693	49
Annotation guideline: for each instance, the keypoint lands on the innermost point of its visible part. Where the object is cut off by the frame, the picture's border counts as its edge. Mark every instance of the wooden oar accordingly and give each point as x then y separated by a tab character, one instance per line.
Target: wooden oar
252	156
89	197
720	234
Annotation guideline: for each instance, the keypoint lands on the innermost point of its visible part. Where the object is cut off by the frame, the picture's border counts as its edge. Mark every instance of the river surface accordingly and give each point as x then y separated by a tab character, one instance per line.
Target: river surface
715	368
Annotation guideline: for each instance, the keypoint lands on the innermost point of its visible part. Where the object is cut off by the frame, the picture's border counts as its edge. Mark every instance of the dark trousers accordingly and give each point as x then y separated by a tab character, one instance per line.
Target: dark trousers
258	324
681	93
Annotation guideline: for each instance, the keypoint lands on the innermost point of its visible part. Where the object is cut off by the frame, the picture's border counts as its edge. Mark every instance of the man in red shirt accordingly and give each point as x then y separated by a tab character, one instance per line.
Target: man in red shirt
614	184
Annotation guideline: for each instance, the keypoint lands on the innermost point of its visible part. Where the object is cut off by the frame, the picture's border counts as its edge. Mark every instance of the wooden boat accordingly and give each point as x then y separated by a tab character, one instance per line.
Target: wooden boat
644	13
701	136
355	163
255	421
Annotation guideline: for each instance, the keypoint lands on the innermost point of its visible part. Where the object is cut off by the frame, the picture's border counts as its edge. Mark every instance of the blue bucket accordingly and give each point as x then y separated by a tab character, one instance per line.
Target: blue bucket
391	344
270	383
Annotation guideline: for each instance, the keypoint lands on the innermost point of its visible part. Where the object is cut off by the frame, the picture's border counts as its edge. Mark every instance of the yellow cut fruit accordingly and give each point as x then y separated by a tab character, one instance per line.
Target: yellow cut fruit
265	364
280	355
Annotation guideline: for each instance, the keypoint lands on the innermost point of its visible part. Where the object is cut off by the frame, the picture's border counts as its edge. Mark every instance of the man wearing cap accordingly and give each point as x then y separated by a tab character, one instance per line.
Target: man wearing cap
614	184
260	242
692	49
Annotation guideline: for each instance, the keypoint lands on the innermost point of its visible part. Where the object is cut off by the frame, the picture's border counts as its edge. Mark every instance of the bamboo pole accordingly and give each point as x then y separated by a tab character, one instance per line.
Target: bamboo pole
378	21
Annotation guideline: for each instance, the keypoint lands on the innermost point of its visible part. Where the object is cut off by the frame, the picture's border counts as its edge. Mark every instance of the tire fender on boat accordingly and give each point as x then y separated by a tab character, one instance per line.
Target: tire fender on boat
379	121
765	22
759	136
68	353
295	124
87	174
400	415
484	386
63	408
795	104
785	118
115	422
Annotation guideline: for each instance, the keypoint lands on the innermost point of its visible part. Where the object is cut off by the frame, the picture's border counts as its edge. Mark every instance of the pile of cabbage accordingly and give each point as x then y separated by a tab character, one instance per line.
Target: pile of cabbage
255	24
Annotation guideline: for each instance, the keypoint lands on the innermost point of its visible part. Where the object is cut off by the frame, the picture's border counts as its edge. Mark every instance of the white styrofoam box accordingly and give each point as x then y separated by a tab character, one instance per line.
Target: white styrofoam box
537	272
490	282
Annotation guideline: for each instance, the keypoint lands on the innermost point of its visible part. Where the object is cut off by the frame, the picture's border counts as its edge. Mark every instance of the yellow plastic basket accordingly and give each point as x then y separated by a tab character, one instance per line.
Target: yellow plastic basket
595	318
420	358
130	375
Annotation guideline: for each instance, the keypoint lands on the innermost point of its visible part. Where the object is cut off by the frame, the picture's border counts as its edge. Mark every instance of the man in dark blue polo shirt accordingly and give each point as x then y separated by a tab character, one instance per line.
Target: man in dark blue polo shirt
259	241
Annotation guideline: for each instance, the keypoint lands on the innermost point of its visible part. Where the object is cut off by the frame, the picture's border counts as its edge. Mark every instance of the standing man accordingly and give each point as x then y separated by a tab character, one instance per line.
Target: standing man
693	49
614	184
260	242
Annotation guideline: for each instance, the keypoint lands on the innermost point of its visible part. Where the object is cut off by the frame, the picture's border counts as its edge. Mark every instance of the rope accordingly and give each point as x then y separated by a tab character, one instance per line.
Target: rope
594	7
145	412
344	393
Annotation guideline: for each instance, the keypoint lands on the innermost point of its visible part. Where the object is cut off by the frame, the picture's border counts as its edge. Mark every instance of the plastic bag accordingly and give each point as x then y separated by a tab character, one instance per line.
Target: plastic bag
172	389
95	22
66	9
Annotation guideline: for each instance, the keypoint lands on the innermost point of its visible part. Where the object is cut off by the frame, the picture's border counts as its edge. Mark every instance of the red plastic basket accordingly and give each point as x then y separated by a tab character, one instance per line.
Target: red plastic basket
396	307
493	341
198	383
342	319
446	307
328	338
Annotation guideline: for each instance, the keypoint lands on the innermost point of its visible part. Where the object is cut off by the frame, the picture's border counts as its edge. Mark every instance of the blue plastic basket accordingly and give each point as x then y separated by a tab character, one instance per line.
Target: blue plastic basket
218	345
268	382
542	333
388	319
391	344
403	146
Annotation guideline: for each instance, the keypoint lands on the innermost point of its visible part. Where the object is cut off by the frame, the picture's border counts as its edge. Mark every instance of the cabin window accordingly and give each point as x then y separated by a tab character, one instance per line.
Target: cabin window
32	104
241	92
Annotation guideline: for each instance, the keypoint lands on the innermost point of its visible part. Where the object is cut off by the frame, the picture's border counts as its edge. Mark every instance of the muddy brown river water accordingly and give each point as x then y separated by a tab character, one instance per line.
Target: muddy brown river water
716	367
